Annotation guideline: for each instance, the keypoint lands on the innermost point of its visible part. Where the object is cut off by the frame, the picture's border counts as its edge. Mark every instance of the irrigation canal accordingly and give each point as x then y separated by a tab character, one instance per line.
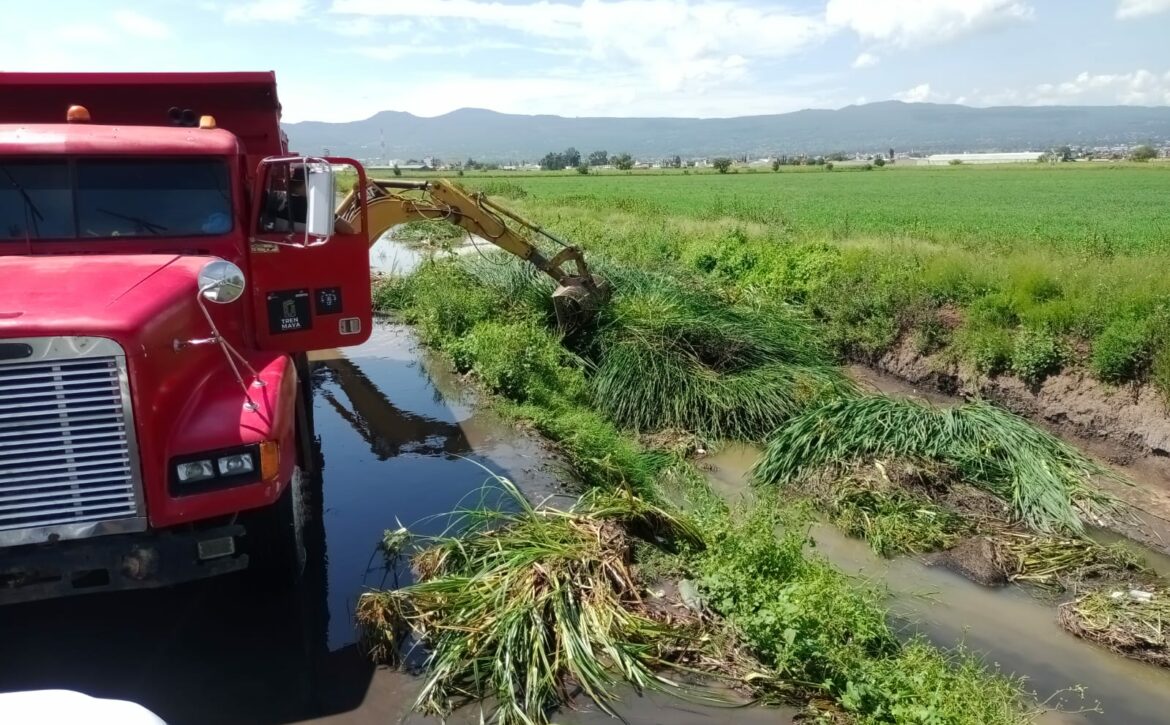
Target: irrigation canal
399	439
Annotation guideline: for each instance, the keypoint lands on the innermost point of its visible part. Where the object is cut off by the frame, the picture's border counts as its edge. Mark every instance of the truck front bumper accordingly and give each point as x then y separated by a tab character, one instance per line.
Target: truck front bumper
117	563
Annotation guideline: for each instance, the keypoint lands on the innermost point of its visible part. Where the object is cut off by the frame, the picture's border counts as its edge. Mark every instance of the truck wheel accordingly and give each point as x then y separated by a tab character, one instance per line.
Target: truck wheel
276	537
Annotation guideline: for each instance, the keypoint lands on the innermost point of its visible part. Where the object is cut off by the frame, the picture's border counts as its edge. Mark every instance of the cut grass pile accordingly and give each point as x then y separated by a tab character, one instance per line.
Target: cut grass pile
521	609
1064	563
675	356
1134	624
1047	482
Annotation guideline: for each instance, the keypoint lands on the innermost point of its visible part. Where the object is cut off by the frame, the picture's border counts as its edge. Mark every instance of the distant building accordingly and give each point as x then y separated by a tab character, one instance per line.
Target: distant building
1021	157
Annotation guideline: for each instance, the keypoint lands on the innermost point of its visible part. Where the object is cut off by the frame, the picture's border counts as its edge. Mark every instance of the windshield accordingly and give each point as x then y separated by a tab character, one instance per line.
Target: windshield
103	198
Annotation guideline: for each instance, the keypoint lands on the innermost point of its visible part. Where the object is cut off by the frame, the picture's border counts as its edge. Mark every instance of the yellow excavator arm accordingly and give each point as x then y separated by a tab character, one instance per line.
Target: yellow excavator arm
391	202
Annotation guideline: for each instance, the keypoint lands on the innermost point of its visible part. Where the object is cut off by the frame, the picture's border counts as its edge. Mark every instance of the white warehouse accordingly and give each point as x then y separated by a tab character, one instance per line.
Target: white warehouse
1020	157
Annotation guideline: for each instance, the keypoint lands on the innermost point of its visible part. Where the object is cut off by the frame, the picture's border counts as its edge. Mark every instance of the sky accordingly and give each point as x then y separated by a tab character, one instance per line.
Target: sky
341	60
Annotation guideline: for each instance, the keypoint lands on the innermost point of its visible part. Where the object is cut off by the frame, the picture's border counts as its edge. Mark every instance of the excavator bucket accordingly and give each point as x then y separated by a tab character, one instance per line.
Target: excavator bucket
577	301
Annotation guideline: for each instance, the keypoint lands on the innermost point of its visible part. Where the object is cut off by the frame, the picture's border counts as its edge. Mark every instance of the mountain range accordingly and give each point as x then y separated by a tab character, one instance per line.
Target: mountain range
924	127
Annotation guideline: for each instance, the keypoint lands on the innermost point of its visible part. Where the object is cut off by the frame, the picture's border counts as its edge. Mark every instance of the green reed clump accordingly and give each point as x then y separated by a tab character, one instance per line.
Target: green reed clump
523	607
1047	482
670	355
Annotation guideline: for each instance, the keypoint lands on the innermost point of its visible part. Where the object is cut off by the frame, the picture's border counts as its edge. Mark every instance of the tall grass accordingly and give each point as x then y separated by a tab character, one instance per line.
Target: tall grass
675	355
1047	481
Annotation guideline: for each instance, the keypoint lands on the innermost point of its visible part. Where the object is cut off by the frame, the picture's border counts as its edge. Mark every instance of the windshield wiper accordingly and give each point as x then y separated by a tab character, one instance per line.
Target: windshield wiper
139	222
29	205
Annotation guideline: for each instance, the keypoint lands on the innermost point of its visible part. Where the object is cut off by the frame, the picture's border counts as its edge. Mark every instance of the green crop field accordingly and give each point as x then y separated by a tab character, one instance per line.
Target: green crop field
1020	270
1078	207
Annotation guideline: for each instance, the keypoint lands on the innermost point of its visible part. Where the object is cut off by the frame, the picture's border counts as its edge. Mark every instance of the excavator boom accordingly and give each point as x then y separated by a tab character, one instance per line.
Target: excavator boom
391	202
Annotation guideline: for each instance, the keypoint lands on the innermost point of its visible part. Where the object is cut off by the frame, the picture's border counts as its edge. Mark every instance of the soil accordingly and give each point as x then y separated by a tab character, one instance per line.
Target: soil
1126	427
974	558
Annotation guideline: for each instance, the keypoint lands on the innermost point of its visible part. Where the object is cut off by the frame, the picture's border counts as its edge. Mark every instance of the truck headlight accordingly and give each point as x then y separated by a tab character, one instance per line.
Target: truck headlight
235	465
192	471
202	472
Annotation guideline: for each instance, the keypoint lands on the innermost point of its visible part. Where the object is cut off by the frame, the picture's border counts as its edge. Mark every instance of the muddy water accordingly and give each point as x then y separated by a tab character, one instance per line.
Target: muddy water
1008	626
397	439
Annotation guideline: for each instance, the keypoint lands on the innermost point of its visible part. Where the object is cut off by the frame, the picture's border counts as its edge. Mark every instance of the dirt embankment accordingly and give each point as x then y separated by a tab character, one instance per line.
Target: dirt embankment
1127	427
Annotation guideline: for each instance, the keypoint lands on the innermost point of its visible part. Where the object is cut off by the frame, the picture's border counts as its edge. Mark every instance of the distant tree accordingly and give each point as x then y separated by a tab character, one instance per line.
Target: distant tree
571	157
599	158
1064	153
828	166
838	156
1145	152
722	164
819	161
890	155
623	162
676	162
552	162
582	169
397	171
879	161
955	162
775	164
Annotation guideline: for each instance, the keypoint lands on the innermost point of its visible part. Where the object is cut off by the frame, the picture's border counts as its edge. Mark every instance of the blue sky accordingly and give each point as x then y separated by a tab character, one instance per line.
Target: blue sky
340	60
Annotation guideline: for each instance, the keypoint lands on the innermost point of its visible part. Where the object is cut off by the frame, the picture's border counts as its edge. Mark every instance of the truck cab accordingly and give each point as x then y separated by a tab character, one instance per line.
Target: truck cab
166	263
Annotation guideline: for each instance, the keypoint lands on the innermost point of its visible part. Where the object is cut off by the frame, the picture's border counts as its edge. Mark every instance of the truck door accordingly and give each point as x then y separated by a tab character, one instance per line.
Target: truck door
309	274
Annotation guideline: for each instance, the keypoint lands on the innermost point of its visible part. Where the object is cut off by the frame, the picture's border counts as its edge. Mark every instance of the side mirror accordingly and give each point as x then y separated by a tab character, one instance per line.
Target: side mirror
319	190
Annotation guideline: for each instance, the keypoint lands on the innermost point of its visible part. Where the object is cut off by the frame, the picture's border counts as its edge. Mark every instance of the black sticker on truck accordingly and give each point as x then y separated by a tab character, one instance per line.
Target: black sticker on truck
288	311
328	300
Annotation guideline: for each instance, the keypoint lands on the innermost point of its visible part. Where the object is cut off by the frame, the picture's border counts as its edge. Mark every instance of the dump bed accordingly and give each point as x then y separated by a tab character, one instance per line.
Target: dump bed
243	103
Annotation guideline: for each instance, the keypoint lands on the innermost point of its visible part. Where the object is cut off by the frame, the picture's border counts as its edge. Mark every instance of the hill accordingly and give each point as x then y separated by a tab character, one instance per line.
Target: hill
927	127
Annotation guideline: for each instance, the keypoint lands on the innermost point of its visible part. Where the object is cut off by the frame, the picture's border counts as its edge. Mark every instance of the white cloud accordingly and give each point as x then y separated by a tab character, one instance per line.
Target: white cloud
1139	88
920	93
866	60
141	25
267	11
908	23
676	44
1127	9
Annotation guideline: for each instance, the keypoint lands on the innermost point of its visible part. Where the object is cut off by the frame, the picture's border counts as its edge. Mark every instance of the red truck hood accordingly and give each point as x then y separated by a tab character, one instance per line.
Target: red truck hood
90	295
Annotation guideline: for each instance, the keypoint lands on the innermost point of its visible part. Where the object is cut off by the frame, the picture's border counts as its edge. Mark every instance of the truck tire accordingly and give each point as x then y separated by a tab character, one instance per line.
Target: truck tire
276	537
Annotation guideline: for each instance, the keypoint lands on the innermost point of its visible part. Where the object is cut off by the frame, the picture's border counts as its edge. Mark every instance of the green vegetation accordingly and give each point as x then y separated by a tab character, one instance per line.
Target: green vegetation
1061	253
523	607
814	633
830	636
1046	481
669	355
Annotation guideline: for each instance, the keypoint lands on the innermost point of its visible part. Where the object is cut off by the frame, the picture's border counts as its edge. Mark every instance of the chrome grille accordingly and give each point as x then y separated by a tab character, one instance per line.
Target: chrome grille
68	459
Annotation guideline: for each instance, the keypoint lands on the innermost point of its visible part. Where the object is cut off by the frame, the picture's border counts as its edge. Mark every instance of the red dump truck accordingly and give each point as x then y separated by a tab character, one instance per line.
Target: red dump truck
165	264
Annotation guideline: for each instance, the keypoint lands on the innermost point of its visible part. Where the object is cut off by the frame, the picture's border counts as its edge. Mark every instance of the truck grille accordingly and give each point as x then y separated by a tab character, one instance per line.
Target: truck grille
68	460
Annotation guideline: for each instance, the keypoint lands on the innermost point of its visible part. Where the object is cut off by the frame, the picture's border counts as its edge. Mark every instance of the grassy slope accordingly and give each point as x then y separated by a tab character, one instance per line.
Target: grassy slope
1021	270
